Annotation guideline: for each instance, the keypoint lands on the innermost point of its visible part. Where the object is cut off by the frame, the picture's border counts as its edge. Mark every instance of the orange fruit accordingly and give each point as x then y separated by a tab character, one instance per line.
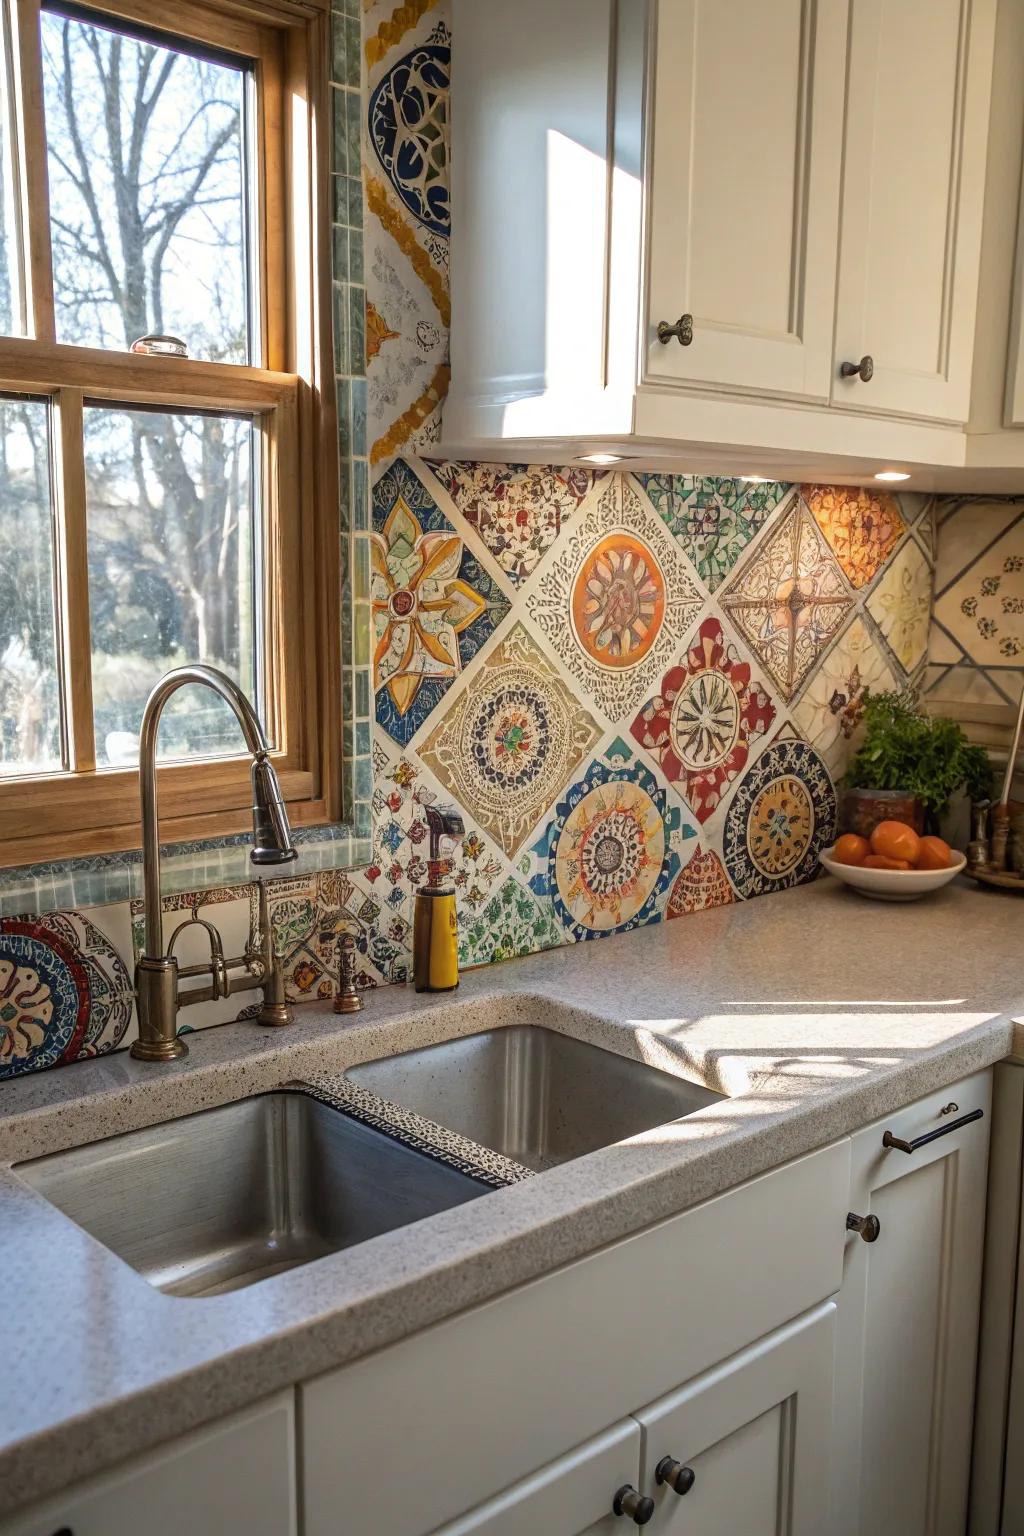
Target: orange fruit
895	840
851	849
934	854
882	861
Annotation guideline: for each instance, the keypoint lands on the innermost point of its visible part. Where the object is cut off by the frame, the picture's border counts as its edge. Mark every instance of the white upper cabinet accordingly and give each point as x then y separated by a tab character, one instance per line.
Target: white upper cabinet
744	207
913	192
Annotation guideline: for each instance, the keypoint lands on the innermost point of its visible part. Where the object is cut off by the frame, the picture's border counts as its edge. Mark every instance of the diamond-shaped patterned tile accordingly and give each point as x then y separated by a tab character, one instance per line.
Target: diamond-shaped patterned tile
615	600
982	608
513	923
517	509
862	526
833	701
789	599
901	605
713	520
509	743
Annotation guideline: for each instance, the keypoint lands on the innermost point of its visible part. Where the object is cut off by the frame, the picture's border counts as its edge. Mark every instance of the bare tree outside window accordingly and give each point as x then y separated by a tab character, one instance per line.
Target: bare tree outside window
148	172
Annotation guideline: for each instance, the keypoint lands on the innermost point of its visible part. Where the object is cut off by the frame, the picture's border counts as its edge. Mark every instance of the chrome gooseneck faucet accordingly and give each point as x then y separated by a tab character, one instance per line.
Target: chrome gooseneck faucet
157	973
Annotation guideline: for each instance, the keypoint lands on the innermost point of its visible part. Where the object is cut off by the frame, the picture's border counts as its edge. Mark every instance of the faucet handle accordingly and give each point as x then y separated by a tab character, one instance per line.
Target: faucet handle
347	999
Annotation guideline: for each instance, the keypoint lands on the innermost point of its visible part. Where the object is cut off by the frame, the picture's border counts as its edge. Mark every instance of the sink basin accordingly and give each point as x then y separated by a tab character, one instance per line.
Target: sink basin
539	1097
222	1199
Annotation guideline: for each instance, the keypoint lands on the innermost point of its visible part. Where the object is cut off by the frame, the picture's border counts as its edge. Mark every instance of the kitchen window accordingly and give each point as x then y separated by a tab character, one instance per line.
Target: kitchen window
167	476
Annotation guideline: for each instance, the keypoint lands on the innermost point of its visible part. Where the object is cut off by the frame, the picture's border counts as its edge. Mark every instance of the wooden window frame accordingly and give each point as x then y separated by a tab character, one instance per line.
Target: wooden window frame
88	810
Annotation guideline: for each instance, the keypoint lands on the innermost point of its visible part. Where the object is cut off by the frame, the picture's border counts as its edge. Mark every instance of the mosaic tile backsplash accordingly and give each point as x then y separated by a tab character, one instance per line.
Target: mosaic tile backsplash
638	689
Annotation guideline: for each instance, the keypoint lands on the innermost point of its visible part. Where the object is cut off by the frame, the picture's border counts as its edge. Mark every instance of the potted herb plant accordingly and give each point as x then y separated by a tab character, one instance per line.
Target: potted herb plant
908	765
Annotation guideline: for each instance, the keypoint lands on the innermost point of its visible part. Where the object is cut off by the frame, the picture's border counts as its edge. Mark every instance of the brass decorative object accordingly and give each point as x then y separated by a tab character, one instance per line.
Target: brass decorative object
347	998
999	869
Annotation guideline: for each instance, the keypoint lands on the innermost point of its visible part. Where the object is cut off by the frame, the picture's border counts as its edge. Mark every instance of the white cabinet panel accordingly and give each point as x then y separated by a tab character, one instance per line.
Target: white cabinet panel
234	1478
744	192
572	1496
913	193
909	1321
755	1433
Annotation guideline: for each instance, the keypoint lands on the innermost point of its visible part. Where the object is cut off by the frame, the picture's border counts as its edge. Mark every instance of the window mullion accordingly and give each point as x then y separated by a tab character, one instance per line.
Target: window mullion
73	579
35	190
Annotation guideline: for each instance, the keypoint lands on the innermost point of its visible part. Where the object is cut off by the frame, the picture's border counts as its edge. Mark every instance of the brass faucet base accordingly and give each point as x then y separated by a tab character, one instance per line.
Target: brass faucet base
347	1003
159	1050
275	1015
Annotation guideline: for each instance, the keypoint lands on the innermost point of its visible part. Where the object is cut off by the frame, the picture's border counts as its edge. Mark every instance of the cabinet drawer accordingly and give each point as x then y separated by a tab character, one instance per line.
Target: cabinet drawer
413	1436
237	1476
874	1161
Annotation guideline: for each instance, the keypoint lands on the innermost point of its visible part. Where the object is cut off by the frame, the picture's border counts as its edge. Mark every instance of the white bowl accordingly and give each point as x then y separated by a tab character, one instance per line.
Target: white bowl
893	884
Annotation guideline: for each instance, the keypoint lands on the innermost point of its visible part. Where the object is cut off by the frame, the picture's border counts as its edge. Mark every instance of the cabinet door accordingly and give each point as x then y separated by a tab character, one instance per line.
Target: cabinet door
572	1496
230	1478
755	1434
908	1321
913	192
747	144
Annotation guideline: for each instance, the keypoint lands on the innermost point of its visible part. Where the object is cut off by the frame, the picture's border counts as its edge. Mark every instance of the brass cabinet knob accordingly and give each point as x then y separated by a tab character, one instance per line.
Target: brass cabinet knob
867	1226
677	1476
864	370
682	331
637	1506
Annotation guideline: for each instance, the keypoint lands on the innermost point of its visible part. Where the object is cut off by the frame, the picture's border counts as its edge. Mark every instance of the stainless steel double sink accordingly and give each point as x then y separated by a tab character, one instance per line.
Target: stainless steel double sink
219	1200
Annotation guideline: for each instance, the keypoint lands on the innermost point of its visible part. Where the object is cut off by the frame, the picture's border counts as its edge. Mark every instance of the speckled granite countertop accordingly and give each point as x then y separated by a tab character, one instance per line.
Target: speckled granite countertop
814	1011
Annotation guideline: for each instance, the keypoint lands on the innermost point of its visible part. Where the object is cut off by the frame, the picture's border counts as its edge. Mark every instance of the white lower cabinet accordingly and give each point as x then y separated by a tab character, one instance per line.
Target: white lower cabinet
748	1444
233	1478
908	1319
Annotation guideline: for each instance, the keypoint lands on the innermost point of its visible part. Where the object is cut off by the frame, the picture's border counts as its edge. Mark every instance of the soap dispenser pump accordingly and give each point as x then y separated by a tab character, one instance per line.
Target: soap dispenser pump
435	929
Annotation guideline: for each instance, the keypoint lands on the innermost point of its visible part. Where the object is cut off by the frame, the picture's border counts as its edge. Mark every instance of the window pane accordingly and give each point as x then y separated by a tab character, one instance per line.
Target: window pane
147	169
30	735
12	286
172	573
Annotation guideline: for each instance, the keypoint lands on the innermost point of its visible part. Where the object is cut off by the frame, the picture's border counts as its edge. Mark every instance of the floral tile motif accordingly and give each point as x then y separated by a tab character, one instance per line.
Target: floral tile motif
611	849
433	604
981	605
510	741
308	915
862	526
517	509
781	817
833	702
702	719
407	119
901	605
789	599
702	884
615	600
512	923
714	520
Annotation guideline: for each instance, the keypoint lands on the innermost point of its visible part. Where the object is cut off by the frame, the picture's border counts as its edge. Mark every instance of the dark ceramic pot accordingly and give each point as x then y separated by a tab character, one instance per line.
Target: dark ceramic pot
863	809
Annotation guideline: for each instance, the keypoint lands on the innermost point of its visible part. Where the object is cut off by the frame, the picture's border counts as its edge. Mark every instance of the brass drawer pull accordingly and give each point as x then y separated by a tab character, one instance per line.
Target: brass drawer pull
679	1478
682	331
897	1144
637	1506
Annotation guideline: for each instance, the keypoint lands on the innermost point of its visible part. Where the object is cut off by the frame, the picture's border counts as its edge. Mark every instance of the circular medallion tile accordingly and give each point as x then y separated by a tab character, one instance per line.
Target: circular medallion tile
781	816
610	853
618	600
704	724
508	736
44	999
407	126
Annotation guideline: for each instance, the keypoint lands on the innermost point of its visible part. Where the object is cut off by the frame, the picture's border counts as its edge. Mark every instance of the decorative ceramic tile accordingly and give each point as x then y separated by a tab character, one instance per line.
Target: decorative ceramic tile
234	912
833	701
517	509
781	817
789	599
110	983
510	741
308	917
615	599
407	118
612	848
982	606
433	604
861	525
701	721
702	884
512	923
901	605
44	998
714	520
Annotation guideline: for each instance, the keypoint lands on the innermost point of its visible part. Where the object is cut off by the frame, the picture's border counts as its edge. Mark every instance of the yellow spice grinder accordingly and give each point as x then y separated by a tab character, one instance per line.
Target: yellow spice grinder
435	928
